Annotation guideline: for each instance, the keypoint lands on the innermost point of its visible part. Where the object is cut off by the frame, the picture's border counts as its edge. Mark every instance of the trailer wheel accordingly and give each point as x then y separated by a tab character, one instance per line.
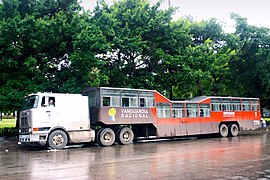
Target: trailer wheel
223	130
57	139
106	137
125	136
233	130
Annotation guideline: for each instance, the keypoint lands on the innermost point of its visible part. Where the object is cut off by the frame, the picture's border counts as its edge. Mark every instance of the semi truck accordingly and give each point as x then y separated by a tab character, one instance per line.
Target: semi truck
110	116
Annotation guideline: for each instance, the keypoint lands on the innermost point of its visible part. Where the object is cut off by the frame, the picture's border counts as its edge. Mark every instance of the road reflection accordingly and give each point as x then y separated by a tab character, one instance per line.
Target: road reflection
211	158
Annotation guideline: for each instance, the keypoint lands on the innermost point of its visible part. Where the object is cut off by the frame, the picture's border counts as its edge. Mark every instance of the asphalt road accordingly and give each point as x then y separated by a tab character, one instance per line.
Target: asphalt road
243	157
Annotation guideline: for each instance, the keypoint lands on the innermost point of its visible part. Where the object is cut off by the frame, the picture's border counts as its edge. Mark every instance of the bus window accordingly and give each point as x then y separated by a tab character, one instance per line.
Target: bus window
236	105
204	110
255	105
110	97
146	102
106	101
115	101
226	105
133	102
125	102
178	110
163	110
216	104
142	102
129	98
147	99
192	110
246	105
150	102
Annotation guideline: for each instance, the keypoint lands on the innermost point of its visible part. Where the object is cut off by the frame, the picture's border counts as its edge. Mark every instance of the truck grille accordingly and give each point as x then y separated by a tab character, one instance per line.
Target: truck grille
24	121
24	125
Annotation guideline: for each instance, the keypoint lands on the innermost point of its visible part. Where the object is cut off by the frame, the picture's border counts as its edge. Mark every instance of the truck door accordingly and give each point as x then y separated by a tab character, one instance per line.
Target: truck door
48	104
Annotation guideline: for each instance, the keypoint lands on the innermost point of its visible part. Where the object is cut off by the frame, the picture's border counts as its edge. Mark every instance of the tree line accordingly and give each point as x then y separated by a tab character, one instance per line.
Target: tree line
57	46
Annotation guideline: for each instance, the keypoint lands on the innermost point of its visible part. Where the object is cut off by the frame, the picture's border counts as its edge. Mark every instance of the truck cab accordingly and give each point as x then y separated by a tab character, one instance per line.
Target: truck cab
55	119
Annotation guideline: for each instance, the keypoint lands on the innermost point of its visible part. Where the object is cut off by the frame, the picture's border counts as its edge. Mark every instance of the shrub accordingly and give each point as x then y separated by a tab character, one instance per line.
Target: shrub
8	132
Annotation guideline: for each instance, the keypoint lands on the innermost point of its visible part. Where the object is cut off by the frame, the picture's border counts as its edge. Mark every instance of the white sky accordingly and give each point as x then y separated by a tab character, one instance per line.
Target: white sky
257	12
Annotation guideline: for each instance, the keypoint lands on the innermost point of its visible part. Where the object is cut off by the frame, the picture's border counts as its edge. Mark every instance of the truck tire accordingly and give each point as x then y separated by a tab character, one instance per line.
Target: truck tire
57	139
106	137
233	130
125	136
223	130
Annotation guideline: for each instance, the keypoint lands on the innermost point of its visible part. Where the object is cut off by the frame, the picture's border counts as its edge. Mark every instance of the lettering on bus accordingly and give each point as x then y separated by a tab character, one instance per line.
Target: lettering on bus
134	113
228	114
256	122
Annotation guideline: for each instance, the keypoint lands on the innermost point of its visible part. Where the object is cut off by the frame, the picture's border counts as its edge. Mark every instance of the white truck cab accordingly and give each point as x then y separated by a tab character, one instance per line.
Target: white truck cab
55	119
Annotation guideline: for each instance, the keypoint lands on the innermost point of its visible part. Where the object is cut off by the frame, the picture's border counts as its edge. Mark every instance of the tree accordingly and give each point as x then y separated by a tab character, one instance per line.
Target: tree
251	68
203	65
39	45
143	42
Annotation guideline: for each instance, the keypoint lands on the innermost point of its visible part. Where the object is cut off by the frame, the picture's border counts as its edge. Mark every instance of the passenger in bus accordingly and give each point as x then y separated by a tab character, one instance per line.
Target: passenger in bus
142	103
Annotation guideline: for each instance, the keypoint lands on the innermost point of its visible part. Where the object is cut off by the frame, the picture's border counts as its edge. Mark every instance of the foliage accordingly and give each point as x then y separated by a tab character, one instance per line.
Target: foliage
251	66
8	131
54	45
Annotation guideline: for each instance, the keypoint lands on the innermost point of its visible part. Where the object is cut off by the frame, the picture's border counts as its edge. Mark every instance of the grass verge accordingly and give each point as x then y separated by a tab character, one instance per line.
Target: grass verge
7	123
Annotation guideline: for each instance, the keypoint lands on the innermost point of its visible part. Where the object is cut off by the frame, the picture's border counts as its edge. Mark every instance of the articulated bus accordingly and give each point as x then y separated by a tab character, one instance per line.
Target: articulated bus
124	114
108	115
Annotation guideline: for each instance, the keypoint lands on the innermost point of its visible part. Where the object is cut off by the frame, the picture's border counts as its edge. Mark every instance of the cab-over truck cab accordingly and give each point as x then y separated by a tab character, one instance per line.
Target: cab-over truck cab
55	120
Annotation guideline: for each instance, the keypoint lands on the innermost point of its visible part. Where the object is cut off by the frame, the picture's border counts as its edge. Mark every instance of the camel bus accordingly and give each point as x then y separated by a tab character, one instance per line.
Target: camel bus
121	115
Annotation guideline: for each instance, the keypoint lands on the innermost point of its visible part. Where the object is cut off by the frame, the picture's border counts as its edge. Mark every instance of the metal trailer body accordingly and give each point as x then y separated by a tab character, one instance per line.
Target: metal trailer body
65	121
125	114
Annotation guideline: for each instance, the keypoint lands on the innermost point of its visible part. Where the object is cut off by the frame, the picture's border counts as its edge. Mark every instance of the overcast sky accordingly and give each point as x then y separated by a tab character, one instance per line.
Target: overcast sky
257	12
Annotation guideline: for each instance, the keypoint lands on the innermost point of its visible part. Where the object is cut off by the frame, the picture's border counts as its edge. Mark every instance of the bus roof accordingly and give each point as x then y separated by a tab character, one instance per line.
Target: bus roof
199	99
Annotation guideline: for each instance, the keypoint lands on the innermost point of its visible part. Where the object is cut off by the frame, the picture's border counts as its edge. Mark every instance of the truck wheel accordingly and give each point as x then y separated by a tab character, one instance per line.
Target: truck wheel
223	130
106	137
125	136
233	130
57	139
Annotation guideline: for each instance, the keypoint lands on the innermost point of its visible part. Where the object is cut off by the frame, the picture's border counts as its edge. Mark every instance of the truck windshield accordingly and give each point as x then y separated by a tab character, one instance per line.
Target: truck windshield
30	102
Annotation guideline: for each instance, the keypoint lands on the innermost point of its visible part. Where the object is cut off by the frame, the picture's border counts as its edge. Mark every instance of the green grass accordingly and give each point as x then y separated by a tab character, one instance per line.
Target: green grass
7	123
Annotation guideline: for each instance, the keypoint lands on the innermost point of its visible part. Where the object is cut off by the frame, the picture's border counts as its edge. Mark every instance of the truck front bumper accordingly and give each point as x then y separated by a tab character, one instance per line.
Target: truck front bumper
33	138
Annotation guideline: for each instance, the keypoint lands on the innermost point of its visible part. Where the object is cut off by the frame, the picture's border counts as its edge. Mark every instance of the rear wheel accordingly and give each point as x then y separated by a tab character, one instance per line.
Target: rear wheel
106	137
57	139
125	136
223	130
233	130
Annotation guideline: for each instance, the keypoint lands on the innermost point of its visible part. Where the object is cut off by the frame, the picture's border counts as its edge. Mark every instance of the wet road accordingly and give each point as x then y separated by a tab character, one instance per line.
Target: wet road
243	157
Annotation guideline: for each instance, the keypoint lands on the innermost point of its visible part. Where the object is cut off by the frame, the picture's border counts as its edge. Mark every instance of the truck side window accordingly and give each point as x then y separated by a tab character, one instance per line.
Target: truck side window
43	102
48	101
